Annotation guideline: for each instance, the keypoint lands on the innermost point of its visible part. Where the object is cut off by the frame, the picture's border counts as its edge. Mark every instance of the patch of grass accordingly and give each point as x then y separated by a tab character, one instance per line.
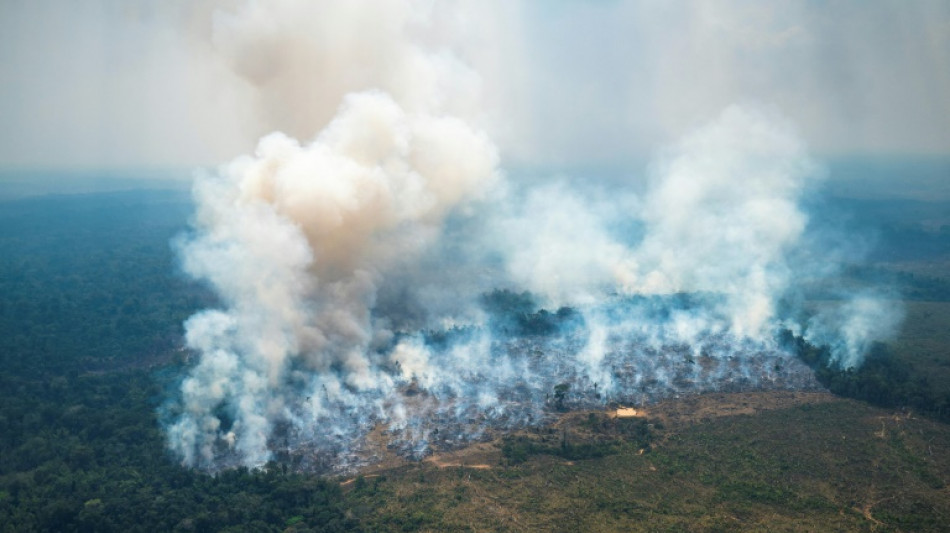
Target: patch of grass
517	449
586	437
924	342
839	465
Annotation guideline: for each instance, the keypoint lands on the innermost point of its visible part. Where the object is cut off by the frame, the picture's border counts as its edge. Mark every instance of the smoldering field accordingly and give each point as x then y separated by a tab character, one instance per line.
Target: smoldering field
389	277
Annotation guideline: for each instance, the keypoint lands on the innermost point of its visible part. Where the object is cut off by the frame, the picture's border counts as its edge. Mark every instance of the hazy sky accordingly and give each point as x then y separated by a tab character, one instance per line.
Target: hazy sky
100	83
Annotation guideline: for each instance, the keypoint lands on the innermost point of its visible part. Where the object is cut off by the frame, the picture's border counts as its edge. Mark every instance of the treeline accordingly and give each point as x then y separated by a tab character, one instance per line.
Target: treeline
90	282
86	454
883	379
519	315
912	242
911	286
89	302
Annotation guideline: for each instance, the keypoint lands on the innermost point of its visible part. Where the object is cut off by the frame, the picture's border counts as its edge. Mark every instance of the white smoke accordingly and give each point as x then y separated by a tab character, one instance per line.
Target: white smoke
849	328
353	268
302	57
722	214
296	238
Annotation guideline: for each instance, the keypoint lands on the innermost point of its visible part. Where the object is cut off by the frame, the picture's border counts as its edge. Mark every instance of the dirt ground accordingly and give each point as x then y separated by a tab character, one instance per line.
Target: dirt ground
674	414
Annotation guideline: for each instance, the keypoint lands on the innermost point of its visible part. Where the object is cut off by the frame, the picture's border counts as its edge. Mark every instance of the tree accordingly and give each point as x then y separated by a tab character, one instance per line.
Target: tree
560	392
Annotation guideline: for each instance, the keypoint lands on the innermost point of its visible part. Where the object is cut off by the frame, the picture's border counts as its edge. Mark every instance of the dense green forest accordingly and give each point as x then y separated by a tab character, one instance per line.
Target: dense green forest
90	320
884	379
86	454
91	307
89	281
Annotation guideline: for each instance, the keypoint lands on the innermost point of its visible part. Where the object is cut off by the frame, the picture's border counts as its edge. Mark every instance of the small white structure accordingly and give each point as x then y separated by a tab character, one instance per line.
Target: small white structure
625	412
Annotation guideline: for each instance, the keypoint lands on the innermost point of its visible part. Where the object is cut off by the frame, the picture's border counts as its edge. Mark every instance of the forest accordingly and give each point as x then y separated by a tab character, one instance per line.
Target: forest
90	344
90	326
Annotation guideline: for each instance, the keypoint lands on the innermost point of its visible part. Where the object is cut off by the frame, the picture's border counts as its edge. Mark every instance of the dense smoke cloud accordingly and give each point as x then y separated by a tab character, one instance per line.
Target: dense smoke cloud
358	270
302	57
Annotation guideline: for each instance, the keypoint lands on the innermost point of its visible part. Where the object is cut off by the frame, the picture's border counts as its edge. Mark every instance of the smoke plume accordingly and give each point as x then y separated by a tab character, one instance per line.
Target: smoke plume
385	275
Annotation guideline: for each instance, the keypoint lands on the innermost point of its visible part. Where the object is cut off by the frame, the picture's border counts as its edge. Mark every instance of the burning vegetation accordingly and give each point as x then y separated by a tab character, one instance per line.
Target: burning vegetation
388	273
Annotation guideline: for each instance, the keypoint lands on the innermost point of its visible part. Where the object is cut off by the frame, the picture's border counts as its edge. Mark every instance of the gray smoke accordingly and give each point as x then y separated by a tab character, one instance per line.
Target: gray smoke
358	270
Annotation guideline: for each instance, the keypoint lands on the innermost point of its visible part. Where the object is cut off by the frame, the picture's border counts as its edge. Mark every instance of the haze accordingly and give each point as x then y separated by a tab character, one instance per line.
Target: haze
109	84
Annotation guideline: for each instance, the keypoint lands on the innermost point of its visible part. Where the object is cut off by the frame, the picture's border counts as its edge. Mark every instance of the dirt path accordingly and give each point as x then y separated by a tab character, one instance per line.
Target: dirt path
447	464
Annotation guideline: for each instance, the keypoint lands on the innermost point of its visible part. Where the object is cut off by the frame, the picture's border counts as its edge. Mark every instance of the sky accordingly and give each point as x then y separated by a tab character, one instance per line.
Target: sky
106	84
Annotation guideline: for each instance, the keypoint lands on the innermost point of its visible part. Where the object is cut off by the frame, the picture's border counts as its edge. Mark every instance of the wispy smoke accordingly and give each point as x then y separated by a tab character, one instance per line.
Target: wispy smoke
358	272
